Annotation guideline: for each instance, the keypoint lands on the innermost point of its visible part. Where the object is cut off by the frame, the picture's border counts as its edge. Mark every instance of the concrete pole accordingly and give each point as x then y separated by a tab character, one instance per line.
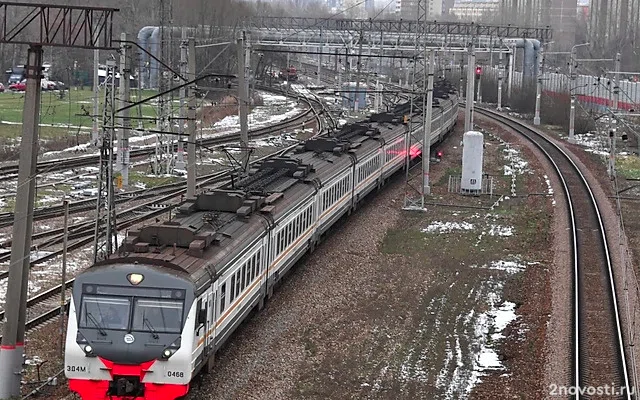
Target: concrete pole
125	94
376	103
500	74
356	106
510	75
616	83
611	170
381	52
63	278
96	98
183	95
406	78
426	123
572	110
191	122
16	304
536	118
460	91
243	101
468	110
319	81
340	81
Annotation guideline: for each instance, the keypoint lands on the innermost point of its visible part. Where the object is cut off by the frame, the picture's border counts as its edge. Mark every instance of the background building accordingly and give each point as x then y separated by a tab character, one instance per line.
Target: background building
408	9
473	10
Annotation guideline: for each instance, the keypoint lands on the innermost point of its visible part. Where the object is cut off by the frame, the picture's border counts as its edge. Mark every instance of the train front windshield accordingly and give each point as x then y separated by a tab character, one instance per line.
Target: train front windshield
131	314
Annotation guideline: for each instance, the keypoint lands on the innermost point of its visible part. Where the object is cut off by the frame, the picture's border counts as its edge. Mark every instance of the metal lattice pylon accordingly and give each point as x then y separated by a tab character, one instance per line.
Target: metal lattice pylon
105	229
164	158
421	101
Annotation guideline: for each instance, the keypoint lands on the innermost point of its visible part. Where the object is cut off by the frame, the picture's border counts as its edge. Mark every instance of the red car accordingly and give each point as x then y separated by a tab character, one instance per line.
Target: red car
1	88
19	87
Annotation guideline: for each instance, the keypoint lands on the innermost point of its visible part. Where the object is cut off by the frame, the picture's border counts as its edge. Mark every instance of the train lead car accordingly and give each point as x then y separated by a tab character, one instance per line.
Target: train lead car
145	321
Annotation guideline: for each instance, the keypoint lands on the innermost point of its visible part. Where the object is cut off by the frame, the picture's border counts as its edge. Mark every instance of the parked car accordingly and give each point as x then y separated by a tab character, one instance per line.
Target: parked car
1	87
19	87
46	84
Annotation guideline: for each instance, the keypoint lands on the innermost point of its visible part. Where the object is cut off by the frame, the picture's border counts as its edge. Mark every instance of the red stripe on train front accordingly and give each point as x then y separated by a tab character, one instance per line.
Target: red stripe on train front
97	390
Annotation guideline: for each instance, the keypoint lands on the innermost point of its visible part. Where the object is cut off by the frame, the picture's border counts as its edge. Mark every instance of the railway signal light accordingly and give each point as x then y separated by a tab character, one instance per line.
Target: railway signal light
478	72
439	154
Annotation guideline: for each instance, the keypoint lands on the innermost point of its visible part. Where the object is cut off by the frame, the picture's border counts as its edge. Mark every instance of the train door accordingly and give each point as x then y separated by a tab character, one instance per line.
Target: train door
211	322
201	330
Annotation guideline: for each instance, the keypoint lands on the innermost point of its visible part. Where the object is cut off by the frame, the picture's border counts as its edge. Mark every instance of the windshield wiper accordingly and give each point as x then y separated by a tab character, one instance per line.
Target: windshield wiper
97	324
153	331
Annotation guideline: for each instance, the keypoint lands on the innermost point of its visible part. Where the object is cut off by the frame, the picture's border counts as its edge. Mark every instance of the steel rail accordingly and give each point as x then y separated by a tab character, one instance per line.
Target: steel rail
578	323
6	219
63	164
56	311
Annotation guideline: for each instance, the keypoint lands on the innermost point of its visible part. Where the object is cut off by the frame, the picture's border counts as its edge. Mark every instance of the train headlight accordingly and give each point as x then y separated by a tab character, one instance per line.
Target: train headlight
135	279
167	353
88	349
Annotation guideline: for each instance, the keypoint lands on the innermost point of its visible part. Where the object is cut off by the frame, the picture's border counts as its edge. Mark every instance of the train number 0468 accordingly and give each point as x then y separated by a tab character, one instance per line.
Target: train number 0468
175	374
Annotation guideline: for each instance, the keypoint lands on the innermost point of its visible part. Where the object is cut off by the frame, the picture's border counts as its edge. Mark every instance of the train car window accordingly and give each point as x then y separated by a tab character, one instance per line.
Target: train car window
161	316
102	312
247	272
291	226
223	295
282	240
303	221
233	288
238	282
294	228
259	265
287	238
243	274
277	244
253	267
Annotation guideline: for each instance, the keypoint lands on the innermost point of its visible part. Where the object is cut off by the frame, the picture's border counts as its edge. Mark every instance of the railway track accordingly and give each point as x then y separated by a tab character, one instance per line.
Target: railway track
10	170
46	305
316	108
599	357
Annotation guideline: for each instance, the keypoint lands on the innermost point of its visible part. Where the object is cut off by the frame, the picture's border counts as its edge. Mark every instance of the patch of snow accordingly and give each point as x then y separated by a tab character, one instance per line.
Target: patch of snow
593	143
36	255
446	227
35	360
495	319
501	265
518	166
549	189
498	230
